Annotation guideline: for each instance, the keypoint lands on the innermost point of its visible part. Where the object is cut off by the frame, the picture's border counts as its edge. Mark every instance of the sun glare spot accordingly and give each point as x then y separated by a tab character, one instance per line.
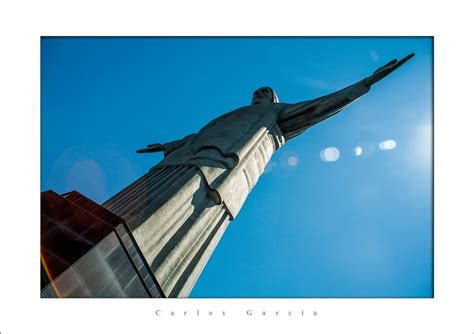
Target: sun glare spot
358	151
387	145
292	161
330	154
374	55
422	145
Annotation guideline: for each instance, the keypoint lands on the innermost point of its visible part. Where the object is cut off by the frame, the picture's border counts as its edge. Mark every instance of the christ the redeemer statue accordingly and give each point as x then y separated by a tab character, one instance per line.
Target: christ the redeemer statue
179	210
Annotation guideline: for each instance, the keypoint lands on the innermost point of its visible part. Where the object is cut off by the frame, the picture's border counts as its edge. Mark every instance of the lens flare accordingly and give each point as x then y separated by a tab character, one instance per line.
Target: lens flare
292	161
330	154
387	145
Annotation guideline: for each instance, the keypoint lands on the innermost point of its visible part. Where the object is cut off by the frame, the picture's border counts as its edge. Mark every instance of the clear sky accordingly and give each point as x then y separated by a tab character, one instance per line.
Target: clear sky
358	226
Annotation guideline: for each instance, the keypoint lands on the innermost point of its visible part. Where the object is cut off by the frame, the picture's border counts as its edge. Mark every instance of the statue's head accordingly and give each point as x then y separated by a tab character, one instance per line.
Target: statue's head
264	95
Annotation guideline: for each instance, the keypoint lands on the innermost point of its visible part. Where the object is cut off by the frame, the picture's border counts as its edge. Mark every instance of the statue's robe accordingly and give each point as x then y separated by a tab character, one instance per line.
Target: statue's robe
180	209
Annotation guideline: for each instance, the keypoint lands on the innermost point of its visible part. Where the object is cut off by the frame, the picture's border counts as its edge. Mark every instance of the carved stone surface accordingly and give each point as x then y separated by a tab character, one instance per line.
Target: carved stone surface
174	222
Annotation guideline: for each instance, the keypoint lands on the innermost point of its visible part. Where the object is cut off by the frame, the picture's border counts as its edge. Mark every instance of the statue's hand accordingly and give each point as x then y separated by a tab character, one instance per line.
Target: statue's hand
385	70
152	148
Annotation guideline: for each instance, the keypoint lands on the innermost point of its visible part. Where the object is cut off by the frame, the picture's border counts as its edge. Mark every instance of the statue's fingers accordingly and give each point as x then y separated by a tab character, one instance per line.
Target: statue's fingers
391	62
387	66
407	58
403	61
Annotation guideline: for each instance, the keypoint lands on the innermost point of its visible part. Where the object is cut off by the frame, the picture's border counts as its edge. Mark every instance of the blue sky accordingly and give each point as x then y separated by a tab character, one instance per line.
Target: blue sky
360	226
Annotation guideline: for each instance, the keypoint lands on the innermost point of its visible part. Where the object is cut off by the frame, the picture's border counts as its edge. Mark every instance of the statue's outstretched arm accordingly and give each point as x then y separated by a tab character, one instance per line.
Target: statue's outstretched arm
166	147
296	118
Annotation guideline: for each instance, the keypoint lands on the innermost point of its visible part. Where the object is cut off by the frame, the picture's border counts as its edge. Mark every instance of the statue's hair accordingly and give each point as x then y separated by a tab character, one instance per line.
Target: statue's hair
274	95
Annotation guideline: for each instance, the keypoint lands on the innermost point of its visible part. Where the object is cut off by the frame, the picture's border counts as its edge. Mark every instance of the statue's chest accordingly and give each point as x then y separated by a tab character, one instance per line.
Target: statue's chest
231	130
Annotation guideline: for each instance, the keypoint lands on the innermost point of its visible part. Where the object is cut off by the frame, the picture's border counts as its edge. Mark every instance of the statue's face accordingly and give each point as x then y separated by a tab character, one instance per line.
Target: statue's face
262	95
